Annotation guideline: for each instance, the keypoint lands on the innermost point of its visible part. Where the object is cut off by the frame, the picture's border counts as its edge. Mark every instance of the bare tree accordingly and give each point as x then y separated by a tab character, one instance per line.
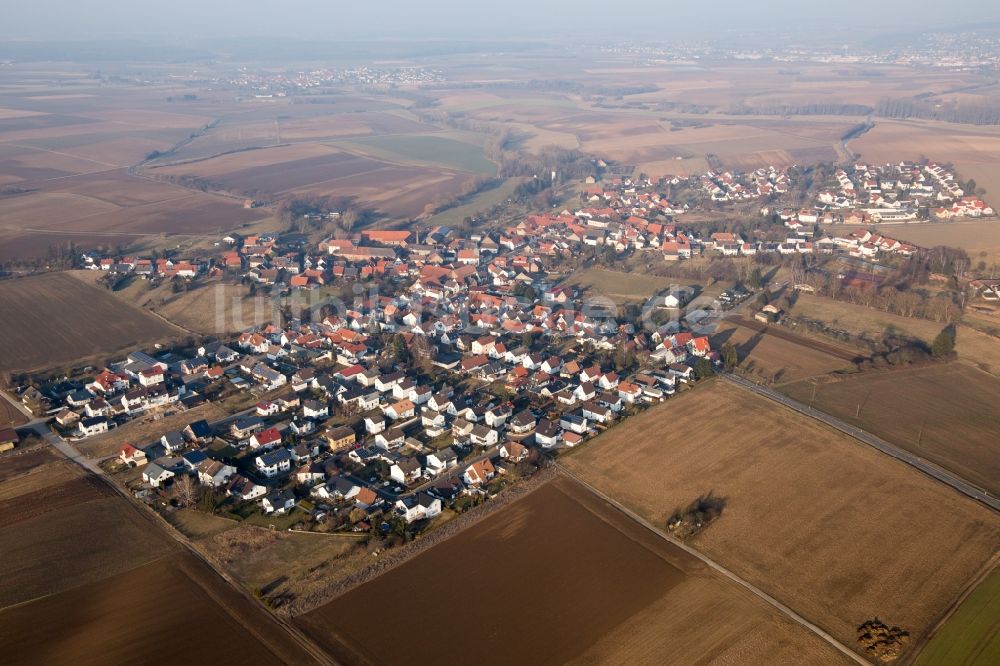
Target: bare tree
185	491
348	219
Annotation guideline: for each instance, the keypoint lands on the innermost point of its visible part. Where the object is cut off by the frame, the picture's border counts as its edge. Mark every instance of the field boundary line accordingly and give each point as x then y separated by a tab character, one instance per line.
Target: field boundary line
914	653
294	633
750	587
436	537
877	443
19	406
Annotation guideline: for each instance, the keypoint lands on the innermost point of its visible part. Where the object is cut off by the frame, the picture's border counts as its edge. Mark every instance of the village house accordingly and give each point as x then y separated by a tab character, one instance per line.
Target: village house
405	470
421	506
155	475
339	438
130	455
479	473
273	463
215	474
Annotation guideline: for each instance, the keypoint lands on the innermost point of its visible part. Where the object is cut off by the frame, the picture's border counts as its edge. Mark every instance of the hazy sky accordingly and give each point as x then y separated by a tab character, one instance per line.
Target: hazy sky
352	19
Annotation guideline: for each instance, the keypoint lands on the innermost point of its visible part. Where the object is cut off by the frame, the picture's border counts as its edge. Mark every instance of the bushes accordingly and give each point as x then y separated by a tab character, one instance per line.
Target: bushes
699	514
881	641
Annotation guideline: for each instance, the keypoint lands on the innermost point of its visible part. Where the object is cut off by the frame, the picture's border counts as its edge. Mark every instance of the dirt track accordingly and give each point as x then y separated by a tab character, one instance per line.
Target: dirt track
784	334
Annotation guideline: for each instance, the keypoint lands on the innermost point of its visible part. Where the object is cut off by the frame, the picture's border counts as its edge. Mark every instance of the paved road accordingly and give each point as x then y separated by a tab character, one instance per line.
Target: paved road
753	589
18	406
871	440
387	492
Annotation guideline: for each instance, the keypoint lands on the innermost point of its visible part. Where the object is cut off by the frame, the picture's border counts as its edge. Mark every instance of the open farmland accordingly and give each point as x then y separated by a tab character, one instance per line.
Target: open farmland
945	413
29	505
251	124
56	319
658	142
119	620
827	525
56	547
396	189
107	209
26	463
972	635
429	149
777	355
10	415
525	566
78	557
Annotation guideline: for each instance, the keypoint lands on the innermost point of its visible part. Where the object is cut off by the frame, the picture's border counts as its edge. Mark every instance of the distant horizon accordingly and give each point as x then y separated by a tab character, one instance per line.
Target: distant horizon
436	20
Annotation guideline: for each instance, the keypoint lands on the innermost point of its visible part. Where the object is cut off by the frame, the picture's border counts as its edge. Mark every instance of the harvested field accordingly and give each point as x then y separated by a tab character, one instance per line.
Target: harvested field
46	209
777	355
619	287
121	620
74	545
972	634
11	415
29	164
197	214
57	319
439	151
76	555
280	173
30	472
24	462
830	527
30	505
981	239
117	188
401	192
643	599
397	190
19	245
109	208
945	413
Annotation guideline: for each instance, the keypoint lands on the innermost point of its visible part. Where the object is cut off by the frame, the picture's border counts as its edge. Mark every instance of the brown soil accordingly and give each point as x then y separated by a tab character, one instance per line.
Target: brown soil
171	609
40	502
56	319
555	576
834	529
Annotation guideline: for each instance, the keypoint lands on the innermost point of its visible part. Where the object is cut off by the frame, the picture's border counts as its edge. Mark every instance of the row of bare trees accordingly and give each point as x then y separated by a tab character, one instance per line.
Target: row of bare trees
943	307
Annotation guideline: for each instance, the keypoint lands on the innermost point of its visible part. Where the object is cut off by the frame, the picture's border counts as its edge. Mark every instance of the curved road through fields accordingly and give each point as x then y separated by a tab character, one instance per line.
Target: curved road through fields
871	440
